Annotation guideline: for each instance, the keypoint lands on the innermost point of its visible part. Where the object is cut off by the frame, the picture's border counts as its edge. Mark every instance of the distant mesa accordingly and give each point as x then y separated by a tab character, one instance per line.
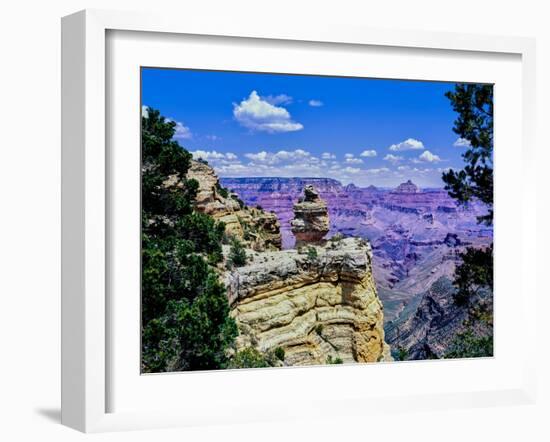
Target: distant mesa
408	187
282	184
311	221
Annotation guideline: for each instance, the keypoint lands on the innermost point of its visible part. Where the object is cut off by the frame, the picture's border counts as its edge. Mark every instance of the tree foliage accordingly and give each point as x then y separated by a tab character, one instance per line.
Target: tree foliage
474	105
401	354
334	361
475	272
249	358
474	123
185	312
467	345
312	253
237	254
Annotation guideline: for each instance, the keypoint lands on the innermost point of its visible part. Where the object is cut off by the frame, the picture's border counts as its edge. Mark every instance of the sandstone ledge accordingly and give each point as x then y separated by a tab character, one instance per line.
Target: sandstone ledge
314	307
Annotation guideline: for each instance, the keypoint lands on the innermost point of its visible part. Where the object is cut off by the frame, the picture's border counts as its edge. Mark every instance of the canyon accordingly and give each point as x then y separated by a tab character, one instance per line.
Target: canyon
314	302
417	236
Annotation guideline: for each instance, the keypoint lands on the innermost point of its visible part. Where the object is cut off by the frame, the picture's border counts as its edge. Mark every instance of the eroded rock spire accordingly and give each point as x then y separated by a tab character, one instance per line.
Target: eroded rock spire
311	221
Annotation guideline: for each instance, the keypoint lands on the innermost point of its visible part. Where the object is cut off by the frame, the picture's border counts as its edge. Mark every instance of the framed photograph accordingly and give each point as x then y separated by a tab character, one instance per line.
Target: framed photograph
267	222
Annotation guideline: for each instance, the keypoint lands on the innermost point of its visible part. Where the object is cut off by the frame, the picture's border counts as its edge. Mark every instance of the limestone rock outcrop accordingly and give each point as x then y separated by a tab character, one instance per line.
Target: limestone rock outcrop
255	228
311	221
318	305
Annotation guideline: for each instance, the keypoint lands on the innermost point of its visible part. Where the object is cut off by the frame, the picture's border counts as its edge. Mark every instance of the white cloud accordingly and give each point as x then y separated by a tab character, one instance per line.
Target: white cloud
315	103
278	99
462	142
281	156
213	138
257	114
213	155
236	169
368	153
328	156
408	144
260	156
352	170
393	158
378	170
145	111
284	163
182	132
429	157
301	163
350	159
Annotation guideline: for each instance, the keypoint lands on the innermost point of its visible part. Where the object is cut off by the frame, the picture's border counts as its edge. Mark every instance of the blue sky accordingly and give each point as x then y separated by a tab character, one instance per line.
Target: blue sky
365	131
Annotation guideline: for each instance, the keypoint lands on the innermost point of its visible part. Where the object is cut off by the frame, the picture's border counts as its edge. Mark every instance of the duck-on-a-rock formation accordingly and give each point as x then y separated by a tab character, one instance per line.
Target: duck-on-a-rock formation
311	221
318	302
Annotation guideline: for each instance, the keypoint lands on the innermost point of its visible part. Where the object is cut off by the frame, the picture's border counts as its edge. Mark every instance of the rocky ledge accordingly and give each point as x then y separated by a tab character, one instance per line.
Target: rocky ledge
317	303
255	228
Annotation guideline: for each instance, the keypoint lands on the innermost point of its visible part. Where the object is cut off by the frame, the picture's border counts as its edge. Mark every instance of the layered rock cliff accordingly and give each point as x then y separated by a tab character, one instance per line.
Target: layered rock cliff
318	306
256	228
436	320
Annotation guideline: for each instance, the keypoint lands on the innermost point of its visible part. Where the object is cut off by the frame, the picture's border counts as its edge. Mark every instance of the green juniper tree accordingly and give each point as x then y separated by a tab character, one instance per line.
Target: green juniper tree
185	312
474	124
237	254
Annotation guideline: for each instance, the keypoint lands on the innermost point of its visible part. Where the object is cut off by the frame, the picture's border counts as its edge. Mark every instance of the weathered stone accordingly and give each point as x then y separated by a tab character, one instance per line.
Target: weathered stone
314	307
257	229
311	221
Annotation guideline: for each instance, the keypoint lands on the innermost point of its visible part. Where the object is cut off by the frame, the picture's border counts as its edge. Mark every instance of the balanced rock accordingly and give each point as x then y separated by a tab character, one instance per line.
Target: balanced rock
311	221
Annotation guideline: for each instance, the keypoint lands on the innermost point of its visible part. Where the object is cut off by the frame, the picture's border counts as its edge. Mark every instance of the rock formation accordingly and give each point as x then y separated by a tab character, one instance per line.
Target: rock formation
408	187
436	320
407	230
311	221
317	305
256	228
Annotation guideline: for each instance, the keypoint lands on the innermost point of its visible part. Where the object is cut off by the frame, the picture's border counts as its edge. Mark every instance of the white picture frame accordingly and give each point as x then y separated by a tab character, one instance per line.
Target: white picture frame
85	202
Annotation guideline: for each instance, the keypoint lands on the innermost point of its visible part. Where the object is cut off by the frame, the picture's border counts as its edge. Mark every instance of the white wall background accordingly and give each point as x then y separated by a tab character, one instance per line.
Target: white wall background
30	216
